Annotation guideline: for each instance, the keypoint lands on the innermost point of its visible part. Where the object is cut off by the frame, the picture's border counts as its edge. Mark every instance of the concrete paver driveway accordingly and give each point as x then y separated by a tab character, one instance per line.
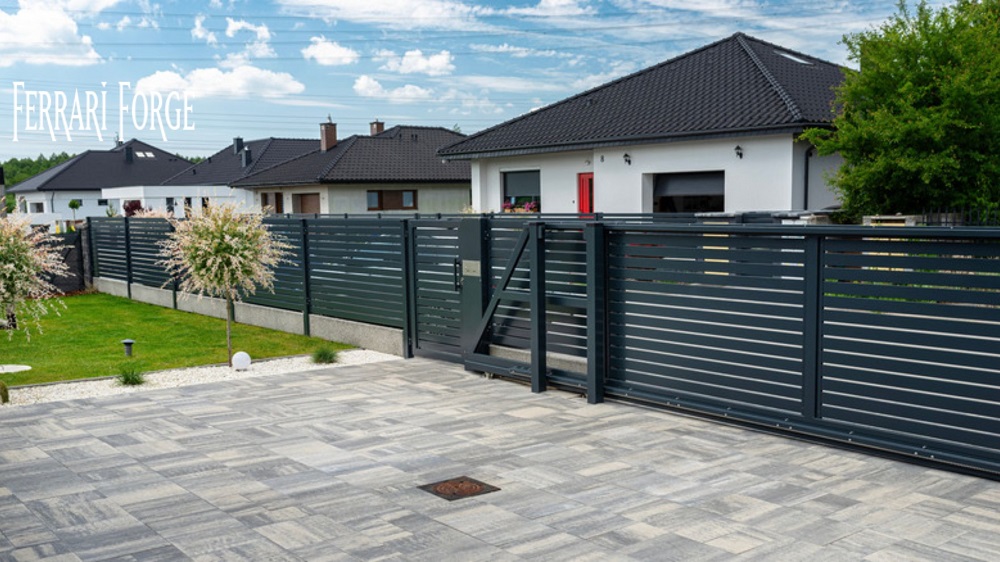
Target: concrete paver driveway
326	465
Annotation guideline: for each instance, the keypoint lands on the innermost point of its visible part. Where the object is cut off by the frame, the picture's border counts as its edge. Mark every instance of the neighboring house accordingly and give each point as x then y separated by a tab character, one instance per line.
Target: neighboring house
394	169
715	129
211	179
45	196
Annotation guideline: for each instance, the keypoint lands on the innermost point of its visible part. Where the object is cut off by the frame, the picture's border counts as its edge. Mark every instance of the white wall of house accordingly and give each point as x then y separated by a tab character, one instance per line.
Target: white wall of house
55	205
769	177
353	198
155	196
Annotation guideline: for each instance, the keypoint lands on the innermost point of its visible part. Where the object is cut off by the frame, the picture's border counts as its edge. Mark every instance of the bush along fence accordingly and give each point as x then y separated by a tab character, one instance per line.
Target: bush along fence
881	337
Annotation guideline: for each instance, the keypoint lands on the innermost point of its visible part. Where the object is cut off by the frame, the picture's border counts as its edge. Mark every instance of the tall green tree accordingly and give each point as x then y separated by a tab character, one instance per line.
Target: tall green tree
223	253
919	125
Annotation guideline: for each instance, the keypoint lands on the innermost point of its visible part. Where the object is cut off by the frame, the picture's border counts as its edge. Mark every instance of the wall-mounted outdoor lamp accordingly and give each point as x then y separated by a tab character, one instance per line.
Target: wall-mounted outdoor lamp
627	158
739	151
128	347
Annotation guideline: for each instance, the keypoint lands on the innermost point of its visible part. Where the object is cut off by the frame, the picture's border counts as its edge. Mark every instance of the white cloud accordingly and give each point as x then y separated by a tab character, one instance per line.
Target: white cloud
510	84
199	31
88	6
329	53
240	82
517	52
123	23
257	48
235	26
554	8
414	62
617	70
40	33
469	104
367	87
397	14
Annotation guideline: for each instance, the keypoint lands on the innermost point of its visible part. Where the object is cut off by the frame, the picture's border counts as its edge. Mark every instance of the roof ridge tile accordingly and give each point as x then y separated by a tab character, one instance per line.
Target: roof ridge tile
793	108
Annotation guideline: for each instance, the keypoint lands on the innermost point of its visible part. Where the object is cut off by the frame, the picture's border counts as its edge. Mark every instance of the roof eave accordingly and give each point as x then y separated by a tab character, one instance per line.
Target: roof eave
633	140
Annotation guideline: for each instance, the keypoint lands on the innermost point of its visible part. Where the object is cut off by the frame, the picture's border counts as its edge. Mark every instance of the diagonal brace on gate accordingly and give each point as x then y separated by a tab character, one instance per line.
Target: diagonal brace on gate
532	237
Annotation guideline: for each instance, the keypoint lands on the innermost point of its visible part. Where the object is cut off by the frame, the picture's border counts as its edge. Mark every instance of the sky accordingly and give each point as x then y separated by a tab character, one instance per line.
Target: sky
189	76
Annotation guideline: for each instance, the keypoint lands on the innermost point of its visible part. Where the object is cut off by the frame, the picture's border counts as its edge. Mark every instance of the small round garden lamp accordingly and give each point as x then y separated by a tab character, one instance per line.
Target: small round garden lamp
241	361
128	347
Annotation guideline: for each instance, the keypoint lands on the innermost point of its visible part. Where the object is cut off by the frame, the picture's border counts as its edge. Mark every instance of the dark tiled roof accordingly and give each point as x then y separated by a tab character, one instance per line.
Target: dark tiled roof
739	84
95	169
226	166
400	154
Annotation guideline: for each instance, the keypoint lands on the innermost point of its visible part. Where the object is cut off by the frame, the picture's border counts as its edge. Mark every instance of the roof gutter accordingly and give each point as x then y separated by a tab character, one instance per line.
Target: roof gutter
792	128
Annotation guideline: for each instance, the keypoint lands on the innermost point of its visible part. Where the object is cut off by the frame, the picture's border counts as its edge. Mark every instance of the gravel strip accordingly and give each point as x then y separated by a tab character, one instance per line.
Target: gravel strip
20	396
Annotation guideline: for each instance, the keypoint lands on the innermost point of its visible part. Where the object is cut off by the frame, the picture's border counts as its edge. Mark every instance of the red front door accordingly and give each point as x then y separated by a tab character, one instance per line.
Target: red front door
585	193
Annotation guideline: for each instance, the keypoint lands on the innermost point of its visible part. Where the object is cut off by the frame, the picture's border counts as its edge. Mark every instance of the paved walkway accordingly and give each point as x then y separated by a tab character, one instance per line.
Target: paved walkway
325	466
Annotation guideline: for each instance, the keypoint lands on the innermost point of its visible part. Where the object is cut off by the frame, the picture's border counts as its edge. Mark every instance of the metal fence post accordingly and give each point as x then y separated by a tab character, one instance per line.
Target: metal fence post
812	326
597	311
473	251
536	243
128	260
409	288
307	302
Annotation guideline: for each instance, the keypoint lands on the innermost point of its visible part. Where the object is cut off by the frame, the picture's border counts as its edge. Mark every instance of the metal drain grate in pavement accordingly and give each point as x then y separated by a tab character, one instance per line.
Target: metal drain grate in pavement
458	488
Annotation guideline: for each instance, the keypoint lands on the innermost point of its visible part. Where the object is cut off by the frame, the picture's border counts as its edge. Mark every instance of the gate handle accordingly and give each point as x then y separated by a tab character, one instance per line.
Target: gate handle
458	274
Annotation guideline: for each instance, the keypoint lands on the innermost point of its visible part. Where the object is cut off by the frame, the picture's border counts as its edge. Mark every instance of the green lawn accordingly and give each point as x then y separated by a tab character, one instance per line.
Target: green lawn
85	341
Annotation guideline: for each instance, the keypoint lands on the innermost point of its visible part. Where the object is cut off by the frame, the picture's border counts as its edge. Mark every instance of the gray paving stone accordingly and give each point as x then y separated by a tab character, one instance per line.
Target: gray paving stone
325	465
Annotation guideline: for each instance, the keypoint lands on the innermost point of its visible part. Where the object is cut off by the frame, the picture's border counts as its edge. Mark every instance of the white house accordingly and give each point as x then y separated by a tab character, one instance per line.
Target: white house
46	196
713	130
390	170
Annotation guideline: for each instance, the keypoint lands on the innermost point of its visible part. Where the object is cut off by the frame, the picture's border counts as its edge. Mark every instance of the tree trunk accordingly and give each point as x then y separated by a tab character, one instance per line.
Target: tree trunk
11	318
229	330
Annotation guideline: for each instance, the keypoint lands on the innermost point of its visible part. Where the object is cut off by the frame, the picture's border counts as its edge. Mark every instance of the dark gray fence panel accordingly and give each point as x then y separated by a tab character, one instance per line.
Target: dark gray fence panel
289	280
109	245
145	236
565	286
712	318
356	270
911	339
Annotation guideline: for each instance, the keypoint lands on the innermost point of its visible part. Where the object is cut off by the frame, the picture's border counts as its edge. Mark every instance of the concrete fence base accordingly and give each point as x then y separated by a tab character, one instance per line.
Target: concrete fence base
368	336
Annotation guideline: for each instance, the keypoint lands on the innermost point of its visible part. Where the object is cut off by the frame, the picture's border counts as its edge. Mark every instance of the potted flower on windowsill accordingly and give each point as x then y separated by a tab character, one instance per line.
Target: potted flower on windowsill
531	207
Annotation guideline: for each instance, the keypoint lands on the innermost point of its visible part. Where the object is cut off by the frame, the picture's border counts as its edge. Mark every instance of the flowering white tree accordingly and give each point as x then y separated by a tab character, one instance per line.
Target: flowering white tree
223	253
28	258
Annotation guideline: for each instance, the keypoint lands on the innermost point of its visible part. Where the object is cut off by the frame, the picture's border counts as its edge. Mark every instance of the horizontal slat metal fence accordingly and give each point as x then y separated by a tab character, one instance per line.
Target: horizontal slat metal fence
144	237
356	270
713	317
911	339
289	277
109	248
888	338
437	289
565	285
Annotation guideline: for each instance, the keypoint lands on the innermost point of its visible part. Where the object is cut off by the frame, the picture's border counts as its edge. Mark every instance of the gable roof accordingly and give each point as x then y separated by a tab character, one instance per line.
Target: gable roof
96	169
226	166
737	85
399	154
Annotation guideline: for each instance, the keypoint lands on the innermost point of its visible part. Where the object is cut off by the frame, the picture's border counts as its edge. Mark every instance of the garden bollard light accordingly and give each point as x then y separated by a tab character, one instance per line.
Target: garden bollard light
128	347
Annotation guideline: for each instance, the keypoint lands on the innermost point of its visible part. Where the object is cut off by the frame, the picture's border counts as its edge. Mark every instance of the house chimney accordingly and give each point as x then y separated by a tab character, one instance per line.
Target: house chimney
327	136
128	155
247	157
237	145
377	127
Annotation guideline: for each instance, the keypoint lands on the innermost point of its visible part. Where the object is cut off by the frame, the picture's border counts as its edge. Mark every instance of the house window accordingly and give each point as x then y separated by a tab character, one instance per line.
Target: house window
170	204
279	203
392	200
692	192
264	202
521	190
204	202
102	202
187	203
36	207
